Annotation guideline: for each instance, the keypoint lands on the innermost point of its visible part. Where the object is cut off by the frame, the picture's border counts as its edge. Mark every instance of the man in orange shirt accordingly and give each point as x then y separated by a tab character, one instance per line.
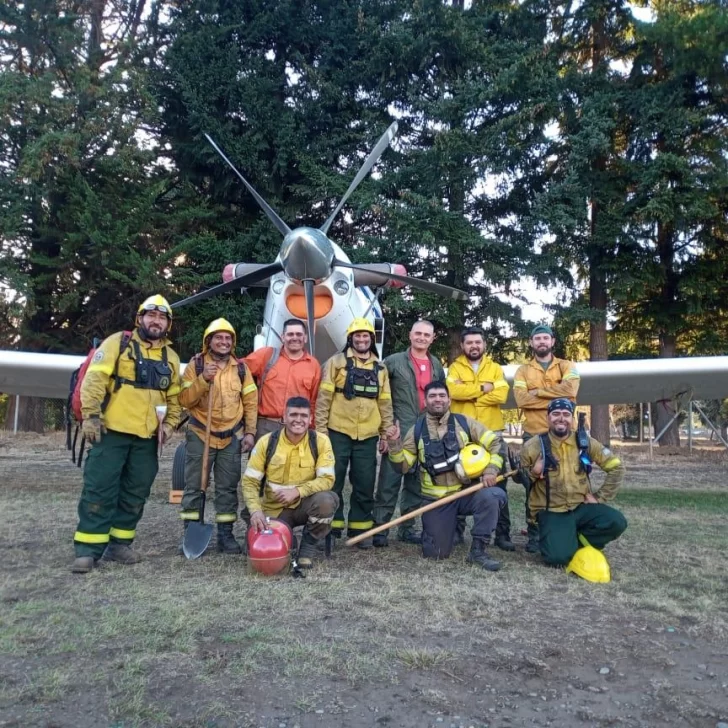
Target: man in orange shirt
282	374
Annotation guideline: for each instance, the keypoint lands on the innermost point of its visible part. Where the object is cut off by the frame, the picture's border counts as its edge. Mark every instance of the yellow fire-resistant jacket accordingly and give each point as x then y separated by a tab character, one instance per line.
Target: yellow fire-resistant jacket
359	418
569	484
290	466
232	400
403	454
560	380
467	396
129	409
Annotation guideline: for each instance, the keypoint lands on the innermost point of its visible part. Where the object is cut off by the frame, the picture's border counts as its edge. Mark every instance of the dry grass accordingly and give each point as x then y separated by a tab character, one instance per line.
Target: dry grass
368	638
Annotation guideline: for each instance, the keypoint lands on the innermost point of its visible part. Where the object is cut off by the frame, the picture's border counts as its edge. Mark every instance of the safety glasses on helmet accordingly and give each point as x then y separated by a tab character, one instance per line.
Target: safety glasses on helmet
156	307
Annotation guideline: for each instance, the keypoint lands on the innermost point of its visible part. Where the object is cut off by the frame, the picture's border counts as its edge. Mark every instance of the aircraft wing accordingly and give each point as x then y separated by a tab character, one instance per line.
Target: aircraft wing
604	382
646	380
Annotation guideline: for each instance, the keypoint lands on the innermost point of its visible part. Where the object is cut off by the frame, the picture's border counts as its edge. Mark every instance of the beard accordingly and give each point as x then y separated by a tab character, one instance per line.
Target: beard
543	350
148	335
474	356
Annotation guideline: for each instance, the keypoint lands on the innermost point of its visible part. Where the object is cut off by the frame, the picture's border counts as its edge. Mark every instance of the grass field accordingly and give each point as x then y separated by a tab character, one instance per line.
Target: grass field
378	638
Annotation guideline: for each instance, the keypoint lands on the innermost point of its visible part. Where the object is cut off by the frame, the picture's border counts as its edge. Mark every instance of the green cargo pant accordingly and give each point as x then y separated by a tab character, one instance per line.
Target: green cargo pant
559	532
225	465
388	491
117	479
362	455
315	512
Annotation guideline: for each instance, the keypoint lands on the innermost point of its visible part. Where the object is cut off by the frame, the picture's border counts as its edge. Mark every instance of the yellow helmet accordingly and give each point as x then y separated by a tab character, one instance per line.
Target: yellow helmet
155	303
360	324
474	459
590	564
216	326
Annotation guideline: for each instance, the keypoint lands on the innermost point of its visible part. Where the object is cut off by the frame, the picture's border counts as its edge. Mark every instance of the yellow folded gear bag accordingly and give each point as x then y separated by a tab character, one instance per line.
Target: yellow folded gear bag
590	564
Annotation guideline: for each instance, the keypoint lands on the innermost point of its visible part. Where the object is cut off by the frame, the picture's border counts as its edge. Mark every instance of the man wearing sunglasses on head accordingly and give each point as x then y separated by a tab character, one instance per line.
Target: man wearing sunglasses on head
130	375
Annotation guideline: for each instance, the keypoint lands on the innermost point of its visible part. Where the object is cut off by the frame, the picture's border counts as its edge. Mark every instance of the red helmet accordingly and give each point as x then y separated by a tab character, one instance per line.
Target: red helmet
269	551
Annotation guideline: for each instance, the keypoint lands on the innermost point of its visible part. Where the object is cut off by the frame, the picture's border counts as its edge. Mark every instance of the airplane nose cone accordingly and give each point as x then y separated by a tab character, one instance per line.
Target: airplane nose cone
307	253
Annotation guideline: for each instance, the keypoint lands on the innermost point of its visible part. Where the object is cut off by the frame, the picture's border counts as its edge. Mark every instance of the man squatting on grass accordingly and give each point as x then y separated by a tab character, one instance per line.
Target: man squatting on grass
560	496
294	484
441	438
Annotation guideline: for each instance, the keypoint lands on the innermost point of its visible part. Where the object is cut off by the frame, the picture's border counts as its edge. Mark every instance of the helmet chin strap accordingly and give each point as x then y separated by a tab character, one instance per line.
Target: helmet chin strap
219	357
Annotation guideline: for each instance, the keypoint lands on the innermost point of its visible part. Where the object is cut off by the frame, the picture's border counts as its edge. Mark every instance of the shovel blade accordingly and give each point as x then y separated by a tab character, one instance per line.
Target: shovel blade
197	539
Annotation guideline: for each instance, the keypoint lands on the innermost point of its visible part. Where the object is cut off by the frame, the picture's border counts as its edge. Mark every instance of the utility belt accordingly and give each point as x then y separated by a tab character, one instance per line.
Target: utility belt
148	373
360	382
223	434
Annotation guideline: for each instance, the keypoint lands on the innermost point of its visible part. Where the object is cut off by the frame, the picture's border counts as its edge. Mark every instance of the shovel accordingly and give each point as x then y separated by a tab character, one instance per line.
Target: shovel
198	533
161	410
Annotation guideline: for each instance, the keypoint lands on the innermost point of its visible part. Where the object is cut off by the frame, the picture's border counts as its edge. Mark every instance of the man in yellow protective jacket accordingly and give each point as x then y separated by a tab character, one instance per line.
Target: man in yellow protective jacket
354	407
233	421
289	476
127	379
561	496
538	382
478	389
436	442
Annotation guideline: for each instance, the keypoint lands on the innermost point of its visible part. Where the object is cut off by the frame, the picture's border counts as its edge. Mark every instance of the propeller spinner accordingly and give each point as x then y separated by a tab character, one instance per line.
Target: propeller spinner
307	255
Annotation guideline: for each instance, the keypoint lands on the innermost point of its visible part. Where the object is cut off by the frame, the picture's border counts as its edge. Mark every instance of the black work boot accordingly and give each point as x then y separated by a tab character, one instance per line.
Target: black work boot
503	542
121	553
478	555
381	540
410	536
83	564
532	546
226	543
307	551
458	538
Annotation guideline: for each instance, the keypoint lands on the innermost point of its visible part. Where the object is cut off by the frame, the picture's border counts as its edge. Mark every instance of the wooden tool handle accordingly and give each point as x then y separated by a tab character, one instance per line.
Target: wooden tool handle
424	509
206	450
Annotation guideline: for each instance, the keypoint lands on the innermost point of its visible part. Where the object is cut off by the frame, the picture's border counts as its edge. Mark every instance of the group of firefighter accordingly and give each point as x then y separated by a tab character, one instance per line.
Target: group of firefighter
304	428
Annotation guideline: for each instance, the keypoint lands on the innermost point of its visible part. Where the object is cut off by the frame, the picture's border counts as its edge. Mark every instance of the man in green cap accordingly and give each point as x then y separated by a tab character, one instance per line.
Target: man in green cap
538	382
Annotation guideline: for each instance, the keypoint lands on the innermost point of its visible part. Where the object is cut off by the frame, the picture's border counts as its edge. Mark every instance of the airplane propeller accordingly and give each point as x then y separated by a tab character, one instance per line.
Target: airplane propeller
307	254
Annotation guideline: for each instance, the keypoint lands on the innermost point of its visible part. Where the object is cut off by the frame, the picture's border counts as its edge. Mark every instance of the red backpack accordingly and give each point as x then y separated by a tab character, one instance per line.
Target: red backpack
73	406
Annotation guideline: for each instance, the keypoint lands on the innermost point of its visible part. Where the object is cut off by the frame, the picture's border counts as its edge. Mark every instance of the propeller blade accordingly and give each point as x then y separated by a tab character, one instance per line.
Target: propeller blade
437	288
308	294
267	209
369	162
234	284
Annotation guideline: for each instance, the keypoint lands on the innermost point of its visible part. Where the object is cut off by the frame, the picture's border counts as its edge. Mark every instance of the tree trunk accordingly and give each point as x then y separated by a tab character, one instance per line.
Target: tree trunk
31	414
662	411
598	350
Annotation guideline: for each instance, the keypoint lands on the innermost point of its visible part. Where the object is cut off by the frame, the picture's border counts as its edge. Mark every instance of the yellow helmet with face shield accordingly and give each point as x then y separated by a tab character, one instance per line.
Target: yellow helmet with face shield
474	459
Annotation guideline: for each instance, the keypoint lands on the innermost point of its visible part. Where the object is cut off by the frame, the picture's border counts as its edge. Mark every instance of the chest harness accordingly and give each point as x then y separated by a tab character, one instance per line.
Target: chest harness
360	382
551	463
441	456
148	373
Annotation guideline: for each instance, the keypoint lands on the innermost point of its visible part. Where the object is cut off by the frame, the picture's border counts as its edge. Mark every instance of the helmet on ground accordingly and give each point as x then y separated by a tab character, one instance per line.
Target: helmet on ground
215	327
360	324
590	564
474	459
155	303
269	551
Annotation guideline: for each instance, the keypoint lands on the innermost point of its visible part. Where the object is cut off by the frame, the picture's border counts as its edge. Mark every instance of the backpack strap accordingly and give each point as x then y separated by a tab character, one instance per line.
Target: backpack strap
582	442
241	370
313	444
199	364
269	452
549	463
462	421
271	363
421	433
